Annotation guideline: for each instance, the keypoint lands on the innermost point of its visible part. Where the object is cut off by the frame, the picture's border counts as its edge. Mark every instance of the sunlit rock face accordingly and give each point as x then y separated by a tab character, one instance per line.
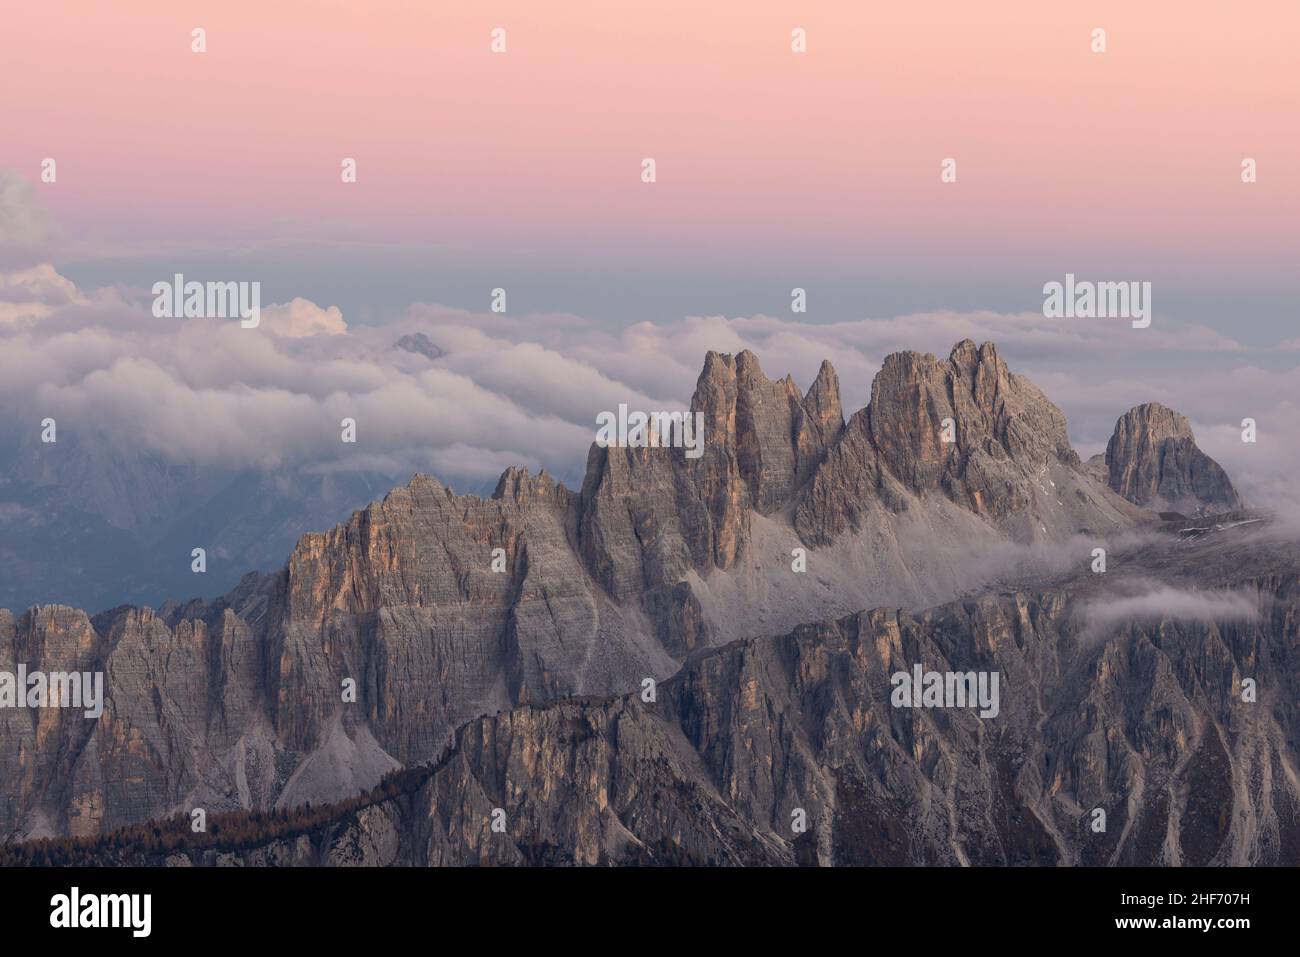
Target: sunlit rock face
1152	460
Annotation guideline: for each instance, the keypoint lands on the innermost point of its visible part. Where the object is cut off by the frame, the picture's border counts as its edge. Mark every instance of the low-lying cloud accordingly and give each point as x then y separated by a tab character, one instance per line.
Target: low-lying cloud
525	389
1163	602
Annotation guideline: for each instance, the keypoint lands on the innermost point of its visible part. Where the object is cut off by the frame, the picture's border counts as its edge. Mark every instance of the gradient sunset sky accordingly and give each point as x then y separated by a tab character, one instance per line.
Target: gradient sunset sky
774	169
522	170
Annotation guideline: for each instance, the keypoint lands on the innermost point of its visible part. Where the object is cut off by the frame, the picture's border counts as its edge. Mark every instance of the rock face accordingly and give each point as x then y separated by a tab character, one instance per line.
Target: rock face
428	610
650	517
1152	460
1145	719
242	703
965	429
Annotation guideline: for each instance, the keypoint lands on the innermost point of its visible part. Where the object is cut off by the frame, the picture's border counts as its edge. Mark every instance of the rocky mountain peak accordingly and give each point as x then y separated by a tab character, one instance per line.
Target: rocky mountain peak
419	344
762	438
1157	421
518	486
967	356
1152	460
822	401
966	429
748	367
990	414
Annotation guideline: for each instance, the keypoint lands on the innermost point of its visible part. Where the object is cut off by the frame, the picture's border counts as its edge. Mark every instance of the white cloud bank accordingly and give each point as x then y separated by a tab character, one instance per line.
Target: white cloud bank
526	389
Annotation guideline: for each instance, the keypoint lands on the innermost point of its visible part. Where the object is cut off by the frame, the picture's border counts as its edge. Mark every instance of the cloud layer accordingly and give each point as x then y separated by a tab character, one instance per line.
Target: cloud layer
525	389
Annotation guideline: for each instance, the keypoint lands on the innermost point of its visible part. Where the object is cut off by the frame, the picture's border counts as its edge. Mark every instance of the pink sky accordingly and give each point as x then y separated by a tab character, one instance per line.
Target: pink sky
759	151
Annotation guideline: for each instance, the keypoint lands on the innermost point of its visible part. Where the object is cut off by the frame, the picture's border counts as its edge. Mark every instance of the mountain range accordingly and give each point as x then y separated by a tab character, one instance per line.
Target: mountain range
673	662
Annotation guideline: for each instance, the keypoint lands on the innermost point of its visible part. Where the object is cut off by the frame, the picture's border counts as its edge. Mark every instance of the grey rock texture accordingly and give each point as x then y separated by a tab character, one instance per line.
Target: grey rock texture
1152	460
